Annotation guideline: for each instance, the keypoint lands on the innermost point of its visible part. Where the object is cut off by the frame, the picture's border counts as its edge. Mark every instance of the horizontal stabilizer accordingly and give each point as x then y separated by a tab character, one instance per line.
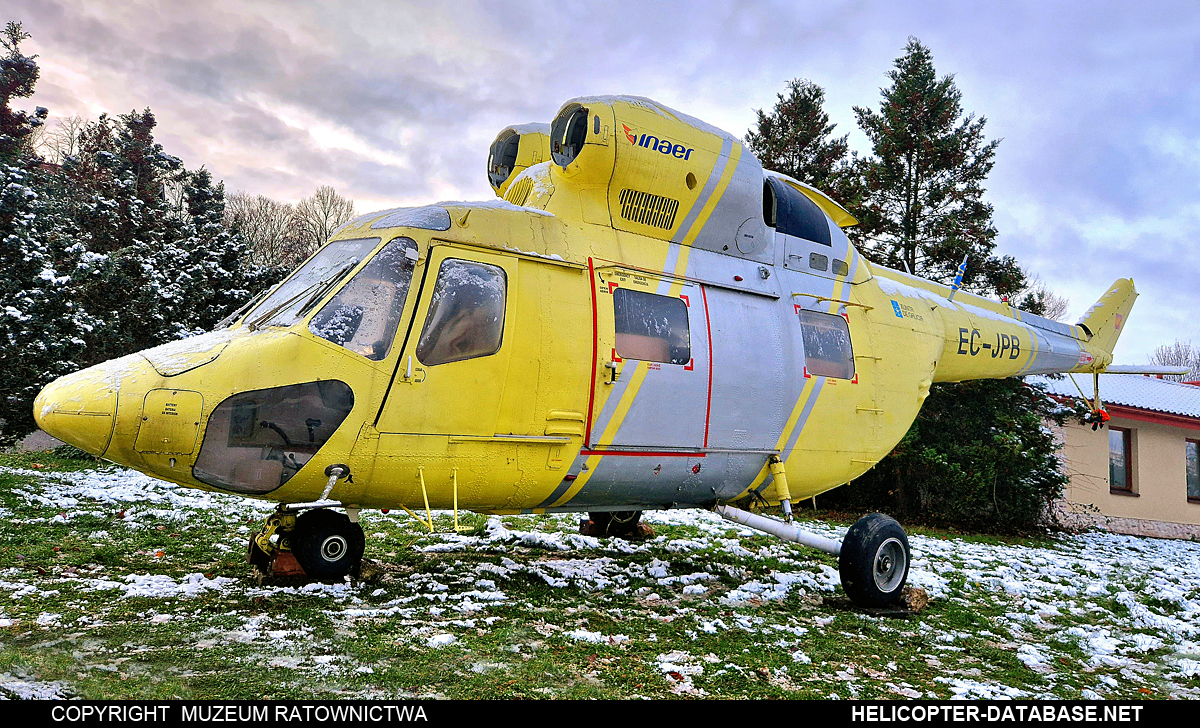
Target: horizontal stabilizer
1152	369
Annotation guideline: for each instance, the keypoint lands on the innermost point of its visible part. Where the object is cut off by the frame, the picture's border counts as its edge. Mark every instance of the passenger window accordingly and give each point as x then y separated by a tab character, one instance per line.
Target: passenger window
789	211
466	314
827	348
651	327
364	315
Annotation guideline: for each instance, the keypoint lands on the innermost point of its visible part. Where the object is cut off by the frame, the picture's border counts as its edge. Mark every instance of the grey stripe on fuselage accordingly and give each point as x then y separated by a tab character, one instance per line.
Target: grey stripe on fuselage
1046	324
709	186
1054	353
656	481
818	385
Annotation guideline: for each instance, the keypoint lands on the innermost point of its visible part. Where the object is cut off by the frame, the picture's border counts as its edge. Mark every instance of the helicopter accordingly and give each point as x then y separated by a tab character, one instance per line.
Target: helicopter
643	318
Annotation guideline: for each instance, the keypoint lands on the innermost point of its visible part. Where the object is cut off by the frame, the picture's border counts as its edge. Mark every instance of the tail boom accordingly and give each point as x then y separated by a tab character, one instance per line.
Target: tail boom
984	339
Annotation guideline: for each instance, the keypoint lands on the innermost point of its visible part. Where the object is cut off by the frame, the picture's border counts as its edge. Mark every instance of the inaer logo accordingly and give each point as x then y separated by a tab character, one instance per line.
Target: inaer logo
664	146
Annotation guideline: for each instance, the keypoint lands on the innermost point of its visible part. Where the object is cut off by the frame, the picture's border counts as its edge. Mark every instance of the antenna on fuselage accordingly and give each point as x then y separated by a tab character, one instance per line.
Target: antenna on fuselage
962	268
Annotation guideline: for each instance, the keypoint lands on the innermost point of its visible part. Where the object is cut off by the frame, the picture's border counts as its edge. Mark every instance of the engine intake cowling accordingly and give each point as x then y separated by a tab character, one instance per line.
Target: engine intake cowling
516	148
645	168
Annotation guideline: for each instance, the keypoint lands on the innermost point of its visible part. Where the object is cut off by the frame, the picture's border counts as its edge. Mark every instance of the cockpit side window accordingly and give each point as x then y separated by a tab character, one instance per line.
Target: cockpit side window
364	315
466	313
309	284
790	212
828	351
256	441
650	327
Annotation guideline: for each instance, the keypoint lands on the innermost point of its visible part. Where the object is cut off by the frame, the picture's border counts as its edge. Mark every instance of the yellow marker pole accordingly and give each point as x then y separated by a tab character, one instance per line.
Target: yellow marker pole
416	518
425	494
454	478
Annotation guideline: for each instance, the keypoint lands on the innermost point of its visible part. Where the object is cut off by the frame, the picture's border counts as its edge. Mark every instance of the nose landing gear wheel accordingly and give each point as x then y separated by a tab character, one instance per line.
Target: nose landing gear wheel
874	561
327	544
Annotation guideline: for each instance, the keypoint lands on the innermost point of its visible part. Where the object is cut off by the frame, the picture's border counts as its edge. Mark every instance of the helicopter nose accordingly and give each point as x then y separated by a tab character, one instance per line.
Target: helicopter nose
80	408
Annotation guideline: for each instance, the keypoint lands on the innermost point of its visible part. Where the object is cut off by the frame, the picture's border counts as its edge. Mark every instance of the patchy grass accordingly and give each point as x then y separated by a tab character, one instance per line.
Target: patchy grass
115	585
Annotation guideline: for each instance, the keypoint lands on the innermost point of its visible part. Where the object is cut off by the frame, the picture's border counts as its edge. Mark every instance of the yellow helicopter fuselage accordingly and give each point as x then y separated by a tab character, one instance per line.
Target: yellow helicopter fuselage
645	320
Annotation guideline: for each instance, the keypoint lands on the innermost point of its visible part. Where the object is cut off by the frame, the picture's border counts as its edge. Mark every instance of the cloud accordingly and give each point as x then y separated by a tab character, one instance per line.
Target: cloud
396	102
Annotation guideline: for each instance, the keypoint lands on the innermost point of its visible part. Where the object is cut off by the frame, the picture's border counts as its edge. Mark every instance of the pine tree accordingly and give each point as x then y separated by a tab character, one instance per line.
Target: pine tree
214	271
96	258
40	330
794	140
18	75
923	189
978	455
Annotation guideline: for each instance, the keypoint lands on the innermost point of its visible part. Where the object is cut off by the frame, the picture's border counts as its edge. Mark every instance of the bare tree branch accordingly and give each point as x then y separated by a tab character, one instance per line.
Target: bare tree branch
319	215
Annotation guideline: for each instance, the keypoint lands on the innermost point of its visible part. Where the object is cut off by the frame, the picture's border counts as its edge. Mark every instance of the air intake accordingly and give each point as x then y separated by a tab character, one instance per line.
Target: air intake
647	209
518	192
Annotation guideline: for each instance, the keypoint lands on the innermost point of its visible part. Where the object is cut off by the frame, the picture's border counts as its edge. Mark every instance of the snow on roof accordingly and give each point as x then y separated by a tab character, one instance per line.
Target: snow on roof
536	127
660	109
1132	390
496	204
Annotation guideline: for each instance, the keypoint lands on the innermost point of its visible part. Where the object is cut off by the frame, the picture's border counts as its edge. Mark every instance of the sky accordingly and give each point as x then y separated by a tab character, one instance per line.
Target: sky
1096	104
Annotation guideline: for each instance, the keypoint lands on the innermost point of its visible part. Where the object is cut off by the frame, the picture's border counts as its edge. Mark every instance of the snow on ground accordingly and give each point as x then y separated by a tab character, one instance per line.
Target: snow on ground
137	496
1133	604
21	689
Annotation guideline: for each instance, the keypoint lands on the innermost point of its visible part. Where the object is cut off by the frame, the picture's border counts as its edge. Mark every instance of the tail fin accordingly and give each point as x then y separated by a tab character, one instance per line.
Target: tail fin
1105	319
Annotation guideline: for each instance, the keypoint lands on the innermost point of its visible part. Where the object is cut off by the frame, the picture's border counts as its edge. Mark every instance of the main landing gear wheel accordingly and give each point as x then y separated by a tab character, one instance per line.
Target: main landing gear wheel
616	523
874	561
327	544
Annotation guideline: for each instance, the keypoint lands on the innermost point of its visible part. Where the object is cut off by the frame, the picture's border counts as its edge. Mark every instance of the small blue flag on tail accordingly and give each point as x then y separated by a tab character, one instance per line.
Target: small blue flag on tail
962	268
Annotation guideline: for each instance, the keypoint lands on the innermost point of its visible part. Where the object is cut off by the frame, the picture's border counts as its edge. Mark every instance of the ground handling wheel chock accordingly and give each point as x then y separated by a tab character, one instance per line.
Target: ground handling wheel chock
270	553
622	524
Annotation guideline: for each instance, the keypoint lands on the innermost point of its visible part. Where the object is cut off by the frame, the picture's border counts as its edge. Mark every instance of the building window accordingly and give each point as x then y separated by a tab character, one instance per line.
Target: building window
1192	448
1120	461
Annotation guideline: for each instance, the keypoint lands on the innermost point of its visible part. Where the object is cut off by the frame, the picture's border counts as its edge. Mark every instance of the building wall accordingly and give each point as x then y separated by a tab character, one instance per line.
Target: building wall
1158	505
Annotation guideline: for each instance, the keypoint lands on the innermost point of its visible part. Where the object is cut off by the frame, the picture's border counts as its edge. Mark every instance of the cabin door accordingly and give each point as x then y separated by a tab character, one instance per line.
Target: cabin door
451	373
651	390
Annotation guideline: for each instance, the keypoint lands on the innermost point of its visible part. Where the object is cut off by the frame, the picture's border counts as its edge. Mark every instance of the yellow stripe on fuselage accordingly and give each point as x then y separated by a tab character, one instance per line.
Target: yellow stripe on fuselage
839	287
639	374
801	401
610	432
